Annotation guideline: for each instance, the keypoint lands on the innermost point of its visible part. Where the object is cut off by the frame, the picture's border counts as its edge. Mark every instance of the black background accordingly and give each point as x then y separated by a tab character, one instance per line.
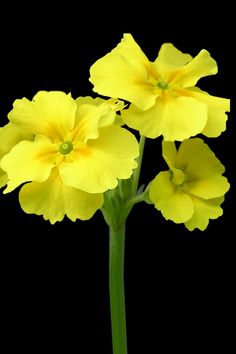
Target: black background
54	278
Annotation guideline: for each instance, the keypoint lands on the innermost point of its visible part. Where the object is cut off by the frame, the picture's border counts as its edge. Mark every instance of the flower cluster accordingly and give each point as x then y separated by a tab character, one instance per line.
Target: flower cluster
165	101
68	152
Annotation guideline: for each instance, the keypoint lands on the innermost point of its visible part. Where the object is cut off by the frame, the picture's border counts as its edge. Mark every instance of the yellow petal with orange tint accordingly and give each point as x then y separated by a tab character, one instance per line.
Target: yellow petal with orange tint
106	159
29	161
175	118
49	113
123	73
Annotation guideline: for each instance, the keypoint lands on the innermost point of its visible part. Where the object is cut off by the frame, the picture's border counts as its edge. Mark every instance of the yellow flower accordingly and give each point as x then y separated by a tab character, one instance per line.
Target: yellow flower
77	153
163	96
10	135
192	191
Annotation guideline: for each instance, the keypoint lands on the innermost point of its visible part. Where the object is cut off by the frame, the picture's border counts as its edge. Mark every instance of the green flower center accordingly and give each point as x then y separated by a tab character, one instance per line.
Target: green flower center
66	147
163	85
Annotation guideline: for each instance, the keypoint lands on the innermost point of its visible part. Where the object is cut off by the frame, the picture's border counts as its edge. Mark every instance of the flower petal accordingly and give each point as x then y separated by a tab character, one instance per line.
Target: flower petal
50	113
174	118
54	200
169	152
107	158
203	211
10	135
93	115
123	73
3	178
148	123
112	104
29	161
202	65
169	60
203	169
173	203
183	117
217	106
197	159
207	188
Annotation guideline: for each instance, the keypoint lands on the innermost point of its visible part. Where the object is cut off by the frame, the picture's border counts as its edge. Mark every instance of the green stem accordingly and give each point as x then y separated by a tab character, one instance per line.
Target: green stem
134	200
116	284
136	173
116	210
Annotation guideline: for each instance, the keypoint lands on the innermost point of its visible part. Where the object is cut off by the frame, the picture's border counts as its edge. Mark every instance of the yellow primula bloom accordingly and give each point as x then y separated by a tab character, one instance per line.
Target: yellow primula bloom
78	151
163	96
10	135
193	189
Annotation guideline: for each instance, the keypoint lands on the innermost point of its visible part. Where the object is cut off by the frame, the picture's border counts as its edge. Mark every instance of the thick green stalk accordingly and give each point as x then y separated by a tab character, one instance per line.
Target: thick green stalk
117	294
117	205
